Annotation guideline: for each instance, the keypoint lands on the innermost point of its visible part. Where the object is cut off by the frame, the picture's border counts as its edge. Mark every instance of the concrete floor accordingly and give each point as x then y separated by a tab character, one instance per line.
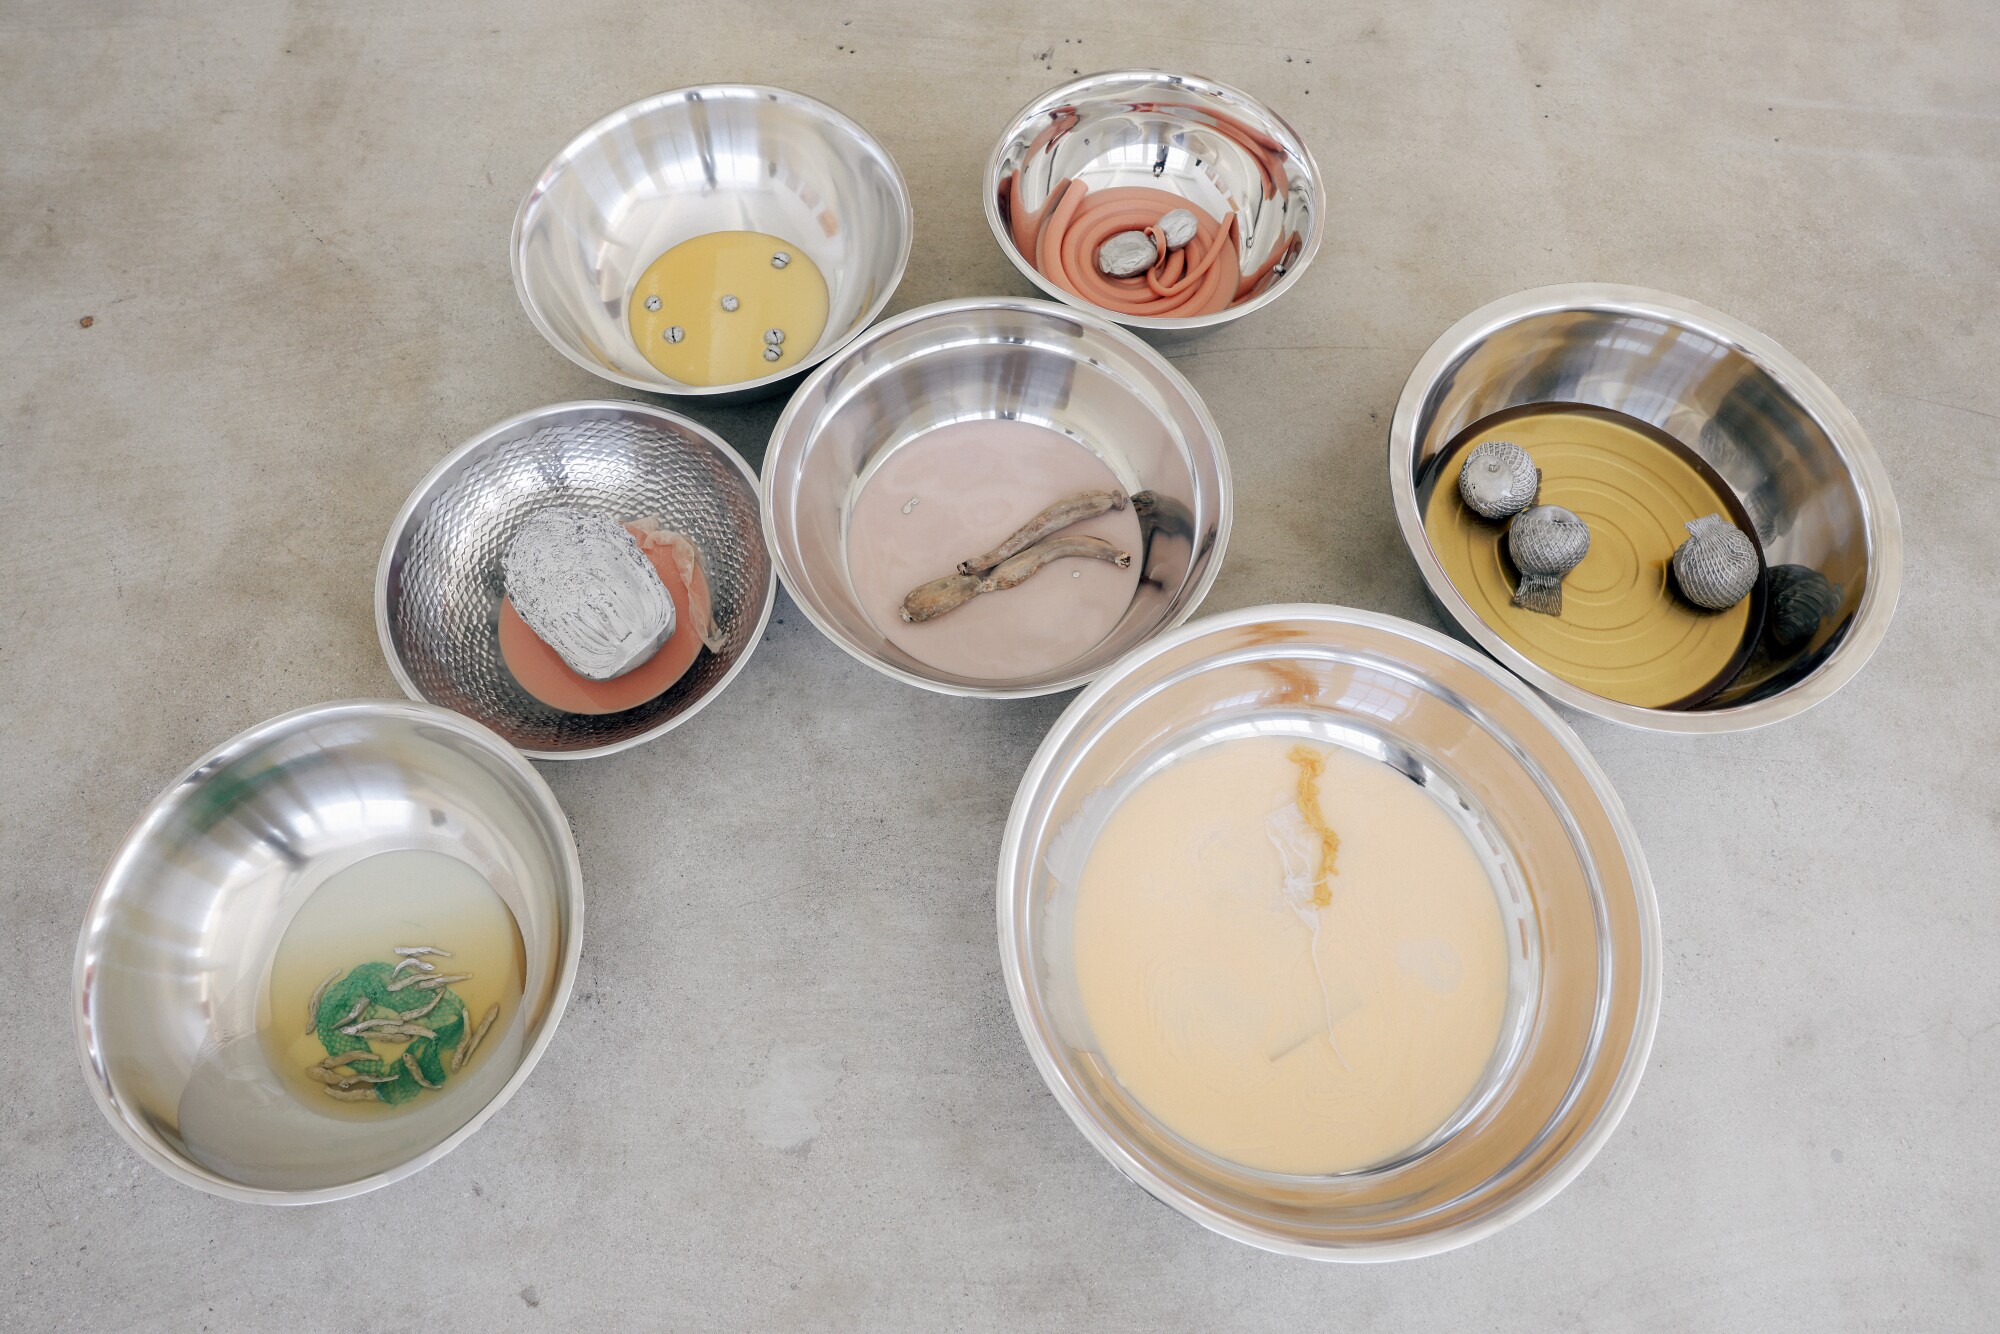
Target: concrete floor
788	1092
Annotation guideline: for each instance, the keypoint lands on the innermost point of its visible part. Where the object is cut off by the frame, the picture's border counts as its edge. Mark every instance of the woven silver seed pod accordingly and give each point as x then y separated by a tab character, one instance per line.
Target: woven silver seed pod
1498	479
1546	542
1801	598
1717	566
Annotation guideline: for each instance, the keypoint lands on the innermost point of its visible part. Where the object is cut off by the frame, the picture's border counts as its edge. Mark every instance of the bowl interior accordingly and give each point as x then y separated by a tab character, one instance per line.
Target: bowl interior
1793	456
1204	141
1027	361
174	965
441	584
700	160
1573	889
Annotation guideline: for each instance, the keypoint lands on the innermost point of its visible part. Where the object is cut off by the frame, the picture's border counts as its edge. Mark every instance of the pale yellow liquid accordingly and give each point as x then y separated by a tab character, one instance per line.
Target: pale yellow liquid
362	914
727	347
1266	1031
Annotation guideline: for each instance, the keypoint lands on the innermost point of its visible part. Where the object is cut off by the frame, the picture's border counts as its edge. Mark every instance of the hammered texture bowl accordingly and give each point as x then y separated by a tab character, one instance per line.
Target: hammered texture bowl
439	585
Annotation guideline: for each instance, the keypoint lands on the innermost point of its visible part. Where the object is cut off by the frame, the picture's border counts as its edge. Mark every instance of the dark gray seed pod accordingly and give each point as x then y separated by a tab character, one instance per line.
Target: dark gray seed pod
1717	566
1498	479
1801	598
1546	542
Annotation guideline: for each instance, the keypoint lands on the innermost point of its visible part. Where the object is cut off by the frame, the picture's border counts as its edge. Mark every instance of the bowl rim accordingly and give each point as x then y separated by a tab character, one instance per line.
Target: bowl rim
1878	501
425	490
675	96
185	1170
1645	1022
1046	310
990	201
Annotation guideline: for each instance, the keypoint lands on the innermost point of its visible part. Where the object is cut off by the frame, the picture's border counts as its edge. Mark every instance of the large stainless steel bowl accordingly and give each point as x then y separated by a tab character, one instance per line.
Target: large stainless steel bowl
439	584
1793	454
965	360
1157	129
180	936
1585	984
721	157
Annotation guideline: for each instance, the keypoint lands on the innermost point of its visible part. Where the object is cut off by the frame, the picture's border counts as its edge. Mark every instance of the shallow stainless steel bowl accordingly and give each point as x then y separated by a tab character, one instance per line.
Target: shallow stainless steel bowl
1152	128
177	946
721	157
965	360
1574	891
1793	454
439	584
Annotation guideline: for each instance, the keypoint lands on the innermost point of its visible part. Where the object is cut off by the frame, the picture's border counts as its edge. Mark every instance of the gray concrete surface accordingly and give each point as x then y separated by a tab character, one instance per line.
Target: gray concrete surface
789	1093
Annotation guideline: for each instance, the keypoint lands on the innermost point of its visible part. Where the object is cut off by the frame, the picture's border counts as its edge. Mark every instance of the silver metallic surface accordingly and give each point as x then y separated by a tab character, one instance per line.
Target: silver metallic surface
178	941
722	157
1153	128
1572	883
1793	454
438	585
964	360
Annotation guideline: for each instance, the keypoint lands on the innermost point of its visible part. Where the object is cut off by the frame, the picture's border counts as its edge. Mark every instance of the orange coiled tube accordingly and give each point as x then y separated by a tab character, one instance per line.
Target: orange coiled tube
1198	279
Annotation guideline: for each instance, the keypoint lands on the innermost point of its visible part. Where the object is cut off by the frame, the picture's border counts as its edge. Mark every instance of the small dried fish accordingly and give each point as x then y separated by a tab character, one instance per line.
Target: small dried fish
413	963
350	1057
441	980
470	1044
939	596
312	1006
1065	512
425	1008
408	951
417	1071
413	1031
354	1095
326	1076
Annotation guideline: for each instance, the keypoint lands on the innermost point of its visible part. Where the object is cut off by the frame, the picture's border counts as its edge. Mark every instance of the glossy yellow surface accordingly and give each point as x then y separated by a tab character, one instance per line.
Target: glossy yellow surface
727	346
1623	632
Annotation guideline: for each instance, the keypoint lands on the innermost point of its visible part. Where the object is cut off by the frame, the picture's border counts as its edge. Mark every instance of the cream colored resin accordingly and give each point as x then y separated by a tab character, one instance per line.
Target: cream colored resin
1271	1033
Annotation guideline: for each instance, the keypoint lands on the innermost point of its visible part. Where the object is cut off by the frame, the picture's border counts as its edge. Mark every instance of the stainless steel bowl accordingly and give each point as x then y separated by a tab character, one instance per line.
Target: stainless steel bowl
1793	454
1152	128
179	940
438	586
1573	885
964	360
721	157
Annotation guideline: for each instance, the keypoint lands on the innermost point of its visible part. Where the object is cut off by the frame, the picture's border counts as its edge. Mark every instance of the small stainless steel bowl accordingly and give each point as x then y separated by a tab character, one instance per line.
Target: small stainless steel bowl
177	945
721	157
1573	888
1152	128
964	360
439	584
1793	454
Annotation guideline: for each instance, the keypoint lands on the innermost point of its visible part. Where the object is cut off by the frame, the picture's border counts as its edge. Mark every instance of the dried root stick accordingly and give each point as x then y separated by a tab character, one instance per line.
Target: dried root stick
1069	510
939	596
